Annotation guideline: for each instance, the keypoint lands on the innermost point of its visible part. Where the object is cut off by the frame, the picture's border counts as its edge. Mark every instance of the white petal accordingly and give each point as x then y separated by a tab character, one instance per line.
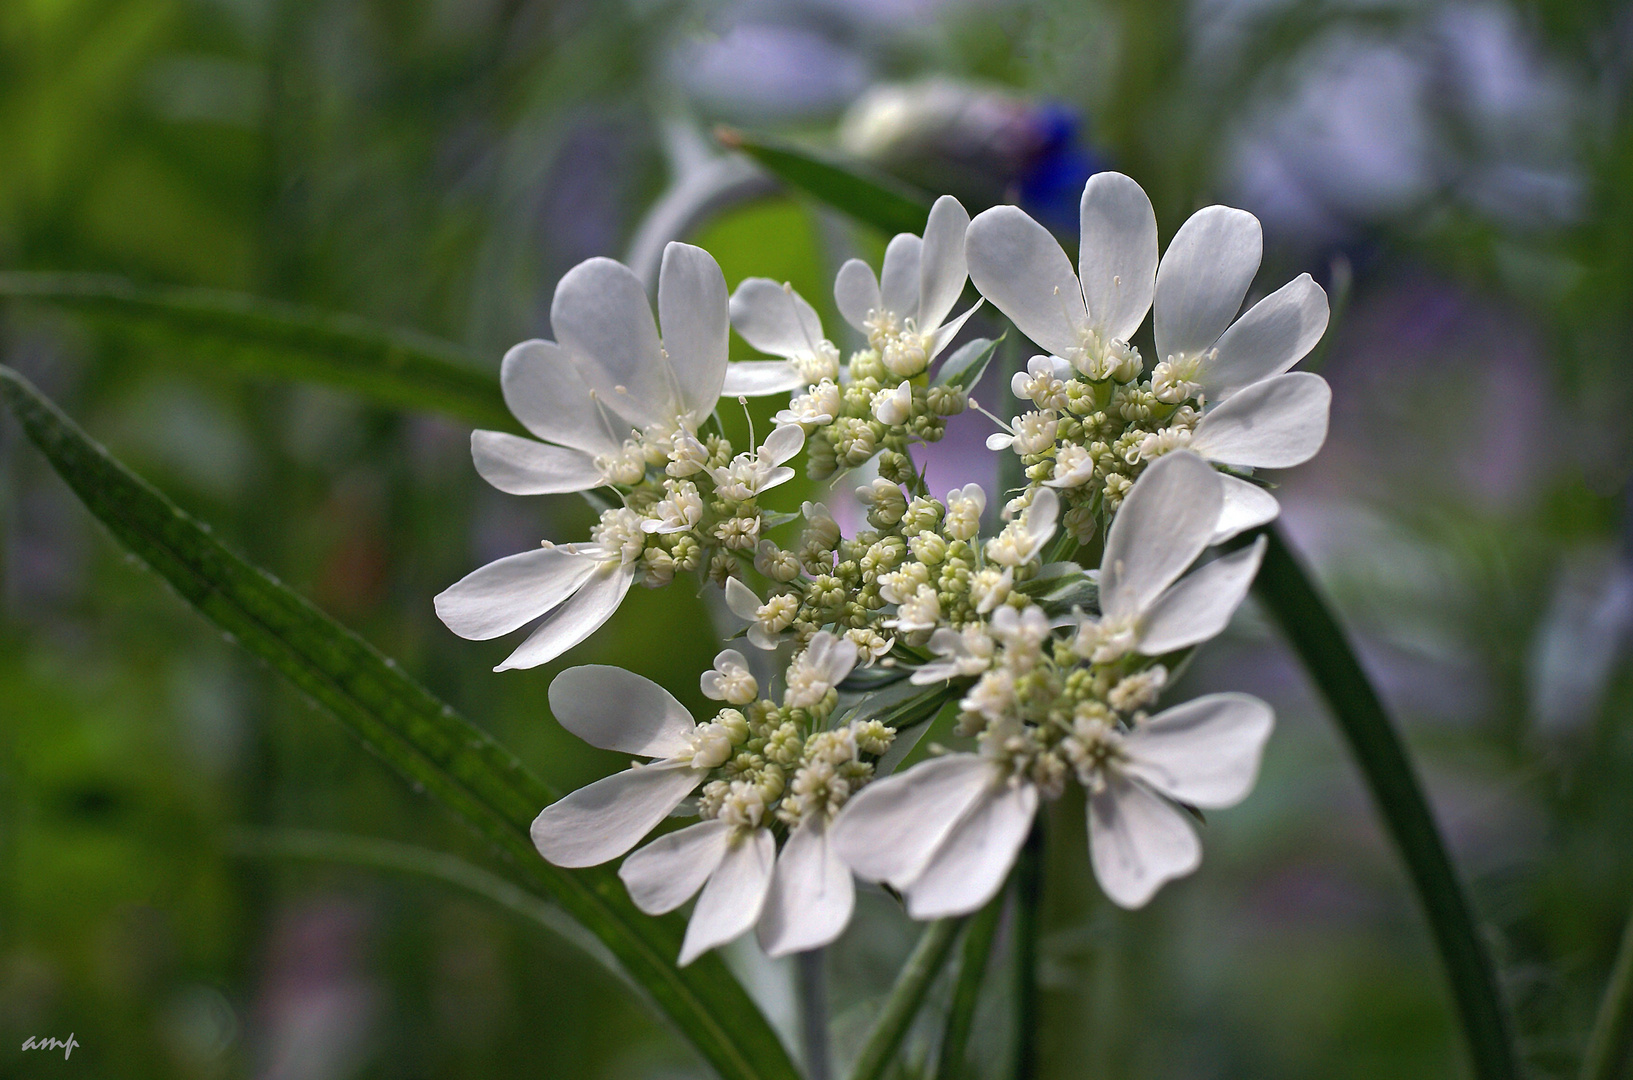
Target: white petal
521	466
856	291
774	319
783	443
692	310
1041	517
811	894
732	899
1205	752
1163	525
614	709
757	378
1018	265
667	872
1273	424
899	277
947	331
1198	605
891	828
1117	253
543	388
576	619
969	867
1204	275
1246	506
741	600
605	819
1137	841
942	271
603	319
999	440
1275	334
511	592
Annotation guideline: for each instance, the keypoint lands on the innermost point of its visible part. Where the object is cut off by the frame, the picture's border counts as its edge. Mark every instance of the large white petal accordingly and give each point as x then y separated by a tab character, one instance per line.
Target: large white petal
740	600
667	872
1163	525
783	443
1019	266
603	319
1137	841
603	820
1246	506
511	592
576	619
1275	334
969	867
521	466
614	709
1274	424
899	276
1204	275
692	311
732	899
757	378
1205	752
543	388
942	270
1200	604
889	831
811	894
1117	253
856	291
774	318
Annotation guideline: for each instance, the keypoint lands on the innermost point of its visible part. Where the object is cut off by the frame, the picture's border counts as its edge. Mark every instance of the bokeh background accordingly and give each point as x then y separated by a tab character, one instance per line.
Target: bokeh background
1458	174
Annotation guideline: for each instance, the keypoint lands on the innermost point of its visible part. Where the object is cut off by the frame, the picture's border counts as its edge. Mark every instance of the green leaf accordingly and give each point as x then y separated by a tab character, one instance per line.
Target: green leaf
965	367
1314	633
871	198
912	984
1610	1043
267	338
436	750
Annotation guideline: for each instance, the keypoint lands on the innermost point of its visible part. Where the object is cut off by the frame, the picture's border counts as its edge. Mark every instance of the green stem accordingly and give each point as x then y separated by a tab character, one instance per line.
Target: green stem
1610	1044
972	967
812	968
905	998
1028	894
1286	590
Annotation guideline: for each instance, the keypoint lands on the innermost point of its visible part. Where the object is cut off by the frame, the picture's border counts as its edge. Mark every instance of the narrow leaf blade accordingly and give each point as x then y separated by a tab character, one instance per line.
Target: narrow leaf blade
446	756
263	337
875	200
965	367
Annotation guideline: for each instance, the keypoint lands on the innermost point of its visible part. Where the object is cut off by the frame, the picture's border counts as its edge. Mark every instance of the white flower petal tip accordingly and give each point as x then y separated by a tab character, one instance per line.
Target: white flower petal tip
601	821
1017	265
692	309
618	710
509	593
670	870
760	378
970	865
774	319
1117	259
811	896
1199	605
1246	506
1271	337
1138	841
1202	279
520	466
576	618
734	896
1273	424
1165	522
1205	752
892	828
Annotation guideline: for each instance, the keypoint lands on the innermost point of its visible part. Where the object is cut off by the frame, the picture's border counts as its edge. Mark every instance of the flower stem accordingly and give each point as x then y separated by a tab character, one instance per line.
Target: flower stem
922	966
1286	590
1610	1043
812	970
1028	894
972	967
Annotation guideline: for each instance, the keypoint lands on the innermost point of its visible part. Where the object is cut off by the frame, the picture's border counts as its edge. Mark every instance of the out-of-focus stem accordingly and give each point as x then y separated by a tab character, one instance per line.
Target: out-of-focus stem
972	967
1610	1043
813	1012
922	966
1028	894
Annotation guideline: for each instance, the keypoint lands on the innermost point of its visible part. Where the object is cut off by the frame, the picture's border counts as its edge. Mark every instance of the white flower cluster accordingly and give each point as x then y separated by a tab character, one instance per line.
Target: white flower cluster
1055	670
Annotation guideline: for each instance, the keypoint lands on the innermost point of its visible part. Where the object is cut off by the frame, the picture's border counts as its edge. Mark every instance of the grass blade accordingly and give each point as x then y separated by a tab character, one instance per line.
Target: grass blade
442	754
1610	1043
264	337
1310	627
886	204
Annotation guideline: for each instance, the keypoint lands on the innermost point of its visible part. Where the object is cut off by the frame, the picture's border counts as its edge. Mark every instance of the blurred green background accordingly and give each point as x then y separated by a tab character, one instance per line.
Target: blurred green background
1459	175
